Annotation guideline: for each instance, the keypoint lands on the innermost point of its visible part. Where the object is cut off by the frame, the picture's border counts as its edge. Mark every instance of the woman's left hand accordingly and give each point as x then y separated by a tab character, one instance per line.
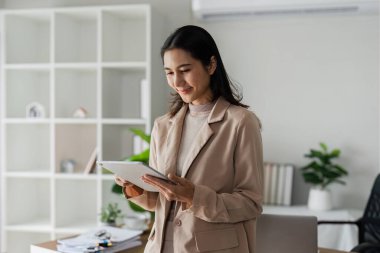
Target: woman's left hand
182	191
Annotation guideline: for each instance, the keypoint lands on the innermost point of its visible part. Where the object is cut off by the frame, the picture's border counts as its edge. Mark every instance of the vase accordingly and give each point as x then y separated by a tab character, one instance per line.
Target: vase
319	199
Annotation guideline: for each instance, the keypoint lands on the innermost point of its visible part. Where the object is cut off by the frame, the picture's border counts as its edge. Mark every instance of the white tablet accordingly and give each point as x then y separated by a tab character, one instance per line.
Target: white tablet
133	171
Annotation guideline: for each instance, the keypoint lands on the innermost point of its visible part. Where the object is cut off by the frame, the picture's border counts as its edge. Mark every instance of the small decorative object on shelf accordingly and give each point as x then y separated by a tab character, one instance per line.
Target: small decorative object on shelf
321	172
91	164
35	110
67	166
80	113
110	214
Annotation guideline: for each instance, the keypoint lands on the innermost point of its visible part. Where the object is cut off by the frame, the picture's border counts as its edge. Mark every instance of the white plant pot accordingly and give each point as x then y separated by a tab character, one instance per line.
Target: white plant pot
319	200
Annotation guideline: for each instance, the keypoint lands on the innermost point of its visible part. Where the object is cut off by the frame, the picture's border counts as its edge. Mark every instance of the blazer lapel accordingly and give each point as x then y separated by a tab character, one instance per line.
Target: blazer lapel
174	139
216	115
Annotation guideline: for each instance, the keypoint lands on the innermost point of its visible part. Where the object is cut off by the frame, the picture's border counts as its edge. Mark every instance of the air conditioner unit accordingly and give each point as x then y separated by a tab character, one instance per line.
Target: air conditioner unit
219	9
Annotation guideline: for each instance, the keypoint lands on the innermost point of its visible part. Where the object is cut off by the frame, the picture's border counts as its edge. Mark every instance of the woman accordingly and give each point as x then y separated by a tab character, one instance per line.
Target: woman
210	145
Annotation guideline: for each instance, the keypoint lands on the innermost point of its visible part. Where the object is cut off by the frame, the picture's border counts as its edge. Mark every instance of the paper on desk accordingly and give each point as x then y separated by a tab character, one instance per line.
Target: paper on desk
117	247
89	239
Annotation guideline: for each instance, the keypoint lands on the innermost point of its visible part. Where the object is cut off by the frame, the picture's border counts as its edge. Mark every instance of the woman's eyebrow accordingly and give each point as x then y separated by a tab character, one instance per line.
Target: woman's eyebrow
180	66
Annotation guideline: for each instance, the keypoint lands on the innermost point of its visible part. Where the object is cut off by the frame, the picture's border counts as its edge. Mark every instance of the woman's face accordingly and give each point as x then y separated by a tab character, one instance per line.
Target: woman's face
188	76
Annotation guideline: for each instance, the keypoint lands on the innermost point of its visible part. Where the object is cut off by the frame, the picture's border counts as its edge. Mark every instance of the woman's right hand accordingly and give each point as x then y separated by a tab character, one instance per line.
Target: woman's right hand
130	190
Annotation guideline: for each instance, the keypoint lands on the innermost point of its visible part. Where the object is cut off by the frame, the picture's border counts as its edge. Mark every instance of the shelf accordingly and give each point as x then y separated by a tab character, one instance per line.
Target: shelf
37	225
55	61
28	174
34	195
117	141
21	141
75	143
124	36
27	38
77	66
75	121
71	210
125	65
75	88
122	93
22	66
75	176
124	121
35	88
76	36
27	121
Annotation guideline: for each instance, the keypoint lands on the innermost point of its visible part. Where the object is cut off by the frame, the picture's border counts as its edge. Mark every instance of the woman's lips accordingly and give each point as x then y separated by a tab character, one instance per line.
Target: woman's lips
184	91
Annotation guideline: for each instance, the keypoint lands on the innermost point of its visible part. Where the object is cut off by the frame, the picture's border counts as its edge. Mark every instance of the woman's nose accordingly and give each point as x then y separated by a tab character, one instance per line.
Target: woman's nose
178	80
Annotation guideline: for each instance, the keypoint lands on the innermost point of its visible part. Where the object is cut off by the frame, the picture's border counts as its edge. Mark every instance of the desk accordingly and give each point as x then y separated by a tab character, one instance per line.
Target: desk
51	247
340	237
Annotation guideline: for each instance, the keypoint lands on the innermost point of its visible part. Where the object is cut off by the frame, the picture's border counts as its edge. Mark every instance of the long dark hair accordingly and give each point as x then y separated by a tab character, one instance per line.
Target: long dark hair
201	46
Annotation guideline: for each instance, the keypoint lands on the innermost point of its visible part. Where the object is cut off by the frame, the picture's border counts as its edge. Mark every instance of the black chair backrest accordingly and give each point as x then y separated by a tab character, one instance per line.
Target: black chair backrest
369	230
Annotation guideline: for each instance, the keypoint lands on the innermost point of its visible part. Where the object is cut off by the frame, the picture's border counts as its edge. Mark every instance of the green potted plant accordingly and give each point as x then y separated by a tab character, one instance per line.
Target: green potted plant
141	157
110	213
320	173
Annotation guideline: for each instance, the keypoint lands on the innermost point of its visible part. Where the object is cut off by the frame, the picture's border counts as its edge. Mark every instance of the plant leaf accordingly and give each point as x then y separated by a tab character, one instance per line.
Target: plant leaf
135	207
117	189
335	153
141	134
323	146
141	157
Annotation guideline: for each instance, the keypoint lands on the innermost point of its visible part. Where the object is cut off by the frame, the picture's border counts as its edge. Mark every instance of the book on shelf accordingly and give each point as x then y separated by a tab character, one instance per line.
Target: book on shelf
273	184
278	183
91	164
288	185
267	177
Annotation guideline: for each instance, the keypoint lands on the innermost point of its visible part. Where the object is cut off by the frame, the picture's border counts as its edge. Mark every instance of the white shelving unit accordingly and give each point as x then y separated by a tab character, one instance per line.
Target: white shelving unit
67	58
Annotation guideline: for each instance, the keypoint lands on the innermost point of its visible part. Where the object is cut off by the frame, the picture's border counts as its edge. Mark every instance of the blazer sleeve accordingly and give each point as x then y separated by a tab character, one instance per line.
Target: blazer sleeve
148	200
245	201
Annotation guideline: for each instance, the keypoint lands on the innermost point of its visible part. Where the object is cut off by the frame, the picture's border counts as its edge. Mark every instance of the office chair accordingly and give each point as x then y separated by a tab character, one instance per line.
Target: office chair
286	234
369	224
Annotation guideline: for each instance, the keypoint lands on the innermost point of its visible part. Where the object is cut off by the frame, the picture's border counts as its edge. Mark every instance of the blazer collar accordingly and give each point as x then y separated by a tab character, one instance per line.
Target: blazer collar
175	135
216	114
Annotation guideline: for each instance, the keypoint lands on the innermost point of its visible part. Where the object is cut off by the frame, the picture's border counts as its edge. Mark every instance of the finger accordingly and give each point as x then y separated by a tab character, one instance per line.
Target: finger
119	181
157	181
178	180
122	182
162	187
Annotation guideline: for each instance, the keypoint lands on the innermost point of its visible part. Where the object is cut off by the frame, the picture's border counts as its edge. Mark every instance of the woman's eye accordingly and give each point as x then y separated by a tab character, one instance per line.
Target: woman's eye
185	70
169	73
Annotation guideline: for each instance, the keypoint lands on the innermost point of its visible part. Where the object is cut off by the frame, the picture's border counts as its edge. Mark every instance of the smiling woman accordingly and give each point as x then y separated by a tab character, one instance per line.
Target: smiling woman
210	145
188	77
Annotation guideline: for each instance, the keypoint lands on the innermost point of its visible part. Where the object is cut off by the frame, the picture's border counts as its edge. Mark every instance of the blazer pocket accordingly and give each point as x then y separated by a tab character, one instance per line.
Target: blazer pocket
216	240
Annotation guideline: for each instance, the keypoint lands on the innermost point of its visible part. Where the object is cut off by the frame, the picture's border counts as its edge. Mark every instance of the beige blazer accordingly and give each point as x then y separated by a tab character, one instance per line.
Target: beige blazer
226	166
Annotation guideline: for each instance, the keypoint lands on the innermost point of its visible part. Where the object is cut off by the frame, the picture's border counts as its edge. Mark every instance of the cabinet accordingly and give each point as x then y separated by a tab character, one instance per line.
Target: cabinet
97	58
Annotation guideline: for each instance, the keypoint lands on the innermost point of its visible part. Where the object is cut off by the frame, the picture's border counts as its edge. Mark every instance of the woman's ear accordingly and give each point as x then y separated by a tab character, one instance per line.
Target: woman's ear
212	67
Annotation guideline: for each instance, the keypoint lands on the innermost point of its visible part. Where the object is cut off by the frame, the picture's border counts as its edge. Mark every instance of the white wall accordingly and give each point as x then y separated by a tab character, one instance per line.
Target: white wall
309	78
